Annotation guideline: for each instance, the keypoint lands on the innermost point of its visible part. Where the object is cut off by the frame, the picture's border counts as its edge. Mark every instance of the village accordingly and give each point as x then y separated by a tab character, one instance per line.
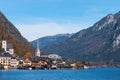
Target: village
40	61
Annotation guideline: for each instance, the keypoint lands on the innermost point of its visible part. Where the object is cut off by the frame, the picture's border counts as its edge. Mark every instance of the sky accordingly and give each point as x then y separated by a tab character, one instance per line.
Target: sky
38	18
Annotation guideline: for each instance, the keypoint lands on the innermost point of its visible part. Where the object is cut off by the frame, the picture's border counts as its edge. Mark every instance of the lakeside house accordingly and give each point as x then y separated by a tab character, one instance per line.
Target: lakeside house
8	60
14	62
5	60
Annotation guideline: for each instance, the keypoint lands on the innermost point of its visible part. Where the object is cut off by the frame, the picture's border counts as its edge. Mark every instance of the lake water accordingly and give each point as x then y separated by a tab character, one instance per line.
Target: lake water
92	74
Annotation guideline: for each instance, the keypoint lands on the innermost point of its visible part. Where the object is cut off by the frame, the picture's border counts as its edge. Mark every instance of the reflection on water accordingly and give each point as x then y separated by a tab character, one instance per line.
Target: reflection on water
93	74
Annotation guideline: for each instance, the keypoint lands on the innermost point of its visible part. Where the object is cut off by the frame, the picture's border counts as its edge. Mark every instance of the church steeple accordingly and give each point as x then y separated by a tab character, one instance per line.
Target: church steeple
38	49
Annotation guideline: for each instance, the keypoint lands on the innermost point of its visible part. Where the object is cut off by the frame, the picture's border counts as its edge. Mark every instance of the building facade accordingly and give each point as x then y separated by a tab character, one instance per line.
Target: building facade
5	60
8	48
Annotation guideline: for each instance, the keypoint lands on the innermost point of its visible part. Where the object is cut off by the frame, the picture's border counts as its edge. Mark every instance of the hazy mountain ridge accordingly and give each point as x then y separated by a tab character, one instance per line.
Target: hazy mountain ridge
50	40
96	43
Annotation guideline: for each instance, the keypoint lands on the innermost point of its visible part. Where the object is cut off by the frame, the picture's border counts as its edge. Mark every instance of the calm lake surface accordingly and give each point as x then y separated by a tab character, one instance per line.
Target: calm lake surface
92	74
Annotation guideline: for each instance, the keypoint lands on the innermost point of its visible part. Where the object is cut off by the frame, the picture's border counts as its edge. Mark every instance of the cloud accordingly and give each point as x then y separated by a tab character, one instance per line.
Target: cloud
34	31
35	27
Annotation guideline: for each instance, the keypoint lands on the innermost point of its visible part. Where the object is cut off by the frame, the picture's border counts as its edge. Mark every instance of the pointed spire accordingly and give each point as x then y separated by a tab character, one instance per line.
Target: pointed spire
38	48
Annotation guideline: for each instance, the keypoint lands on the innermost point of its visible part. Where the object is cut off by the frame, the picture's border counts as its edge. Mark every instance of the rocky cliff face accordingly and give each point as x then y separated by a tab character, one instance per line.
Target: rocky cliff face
101	42
9	32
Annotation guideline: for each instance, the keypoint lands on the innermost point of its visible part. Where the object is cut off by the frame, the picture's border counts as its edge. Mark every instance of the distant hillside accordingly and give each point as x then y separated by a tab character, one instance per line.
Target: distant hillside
50	40
101	42
9	32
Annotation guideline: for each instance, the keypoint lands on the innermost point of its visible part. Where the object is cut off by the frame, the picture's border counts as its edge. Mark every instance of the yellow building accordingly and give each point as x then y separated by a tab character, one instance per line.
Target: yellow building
5	60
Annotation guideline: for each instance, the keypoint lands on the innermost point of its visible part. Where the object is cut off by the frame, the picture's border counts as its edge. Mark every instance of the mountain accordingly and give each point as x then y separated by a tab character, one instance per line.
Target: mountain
9	32
50	40
101	42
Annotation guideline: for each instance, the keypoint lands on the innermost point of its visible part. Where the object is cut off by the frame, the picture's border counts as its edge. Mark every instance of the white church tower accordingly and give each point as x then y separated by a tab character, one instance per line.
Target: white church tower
4	45
38	49
7	47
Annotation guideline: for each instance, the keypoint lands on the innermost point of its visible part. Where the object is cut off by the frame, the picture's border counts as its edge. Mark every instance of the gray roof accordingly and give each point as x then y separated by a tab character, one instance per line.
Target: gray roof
5	55
9	46
36	59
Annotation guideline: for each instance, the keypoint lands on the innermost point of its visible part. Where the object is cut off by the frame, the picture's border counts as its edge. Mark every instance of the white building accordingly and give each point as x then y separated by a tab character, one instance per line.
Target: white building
4	45
5	60
8	48
11	51
54	56
14	63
